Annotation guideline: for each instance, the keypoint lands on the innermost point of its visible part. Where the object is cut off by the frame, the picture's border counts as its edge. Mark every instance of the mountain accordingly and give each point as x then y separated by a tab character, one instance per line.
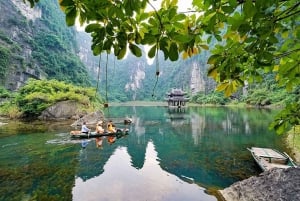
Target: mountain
36	43
135	78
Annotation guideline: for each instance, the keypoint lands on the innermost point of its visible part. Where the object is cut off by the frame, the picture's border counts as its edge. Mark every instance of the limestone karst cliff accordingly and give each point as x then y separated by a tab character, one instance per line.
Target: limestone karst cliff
36	43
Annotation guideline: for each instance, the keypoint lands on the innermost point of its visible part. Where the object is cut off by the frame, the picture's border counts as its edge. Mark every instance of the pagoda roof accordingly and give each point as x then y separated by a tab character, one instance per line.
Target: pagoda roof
176	92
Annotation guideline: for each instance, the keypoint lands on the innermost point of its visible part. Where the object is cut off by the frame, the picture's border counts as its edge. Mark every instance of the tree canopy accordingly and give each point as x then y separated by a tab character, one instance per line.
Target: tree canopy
255	37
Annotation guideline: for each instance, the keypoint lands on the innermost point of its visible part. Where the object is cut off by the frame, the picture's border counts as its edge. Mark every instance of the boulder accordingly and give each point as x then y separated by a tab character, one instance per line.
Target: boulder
90	119
63	110
275	184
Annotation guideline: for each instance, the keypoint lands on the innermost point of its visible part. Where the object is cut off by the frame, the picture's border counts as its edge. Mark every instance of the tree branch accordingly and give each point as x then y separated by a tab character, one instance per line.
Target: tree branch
289	9
159	19
287	53
298	11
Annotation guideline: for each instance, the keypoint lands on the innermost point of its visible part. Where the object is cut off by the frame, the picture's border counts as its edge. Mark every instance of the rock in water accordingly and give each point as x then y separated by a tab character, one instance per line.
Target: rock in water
273	185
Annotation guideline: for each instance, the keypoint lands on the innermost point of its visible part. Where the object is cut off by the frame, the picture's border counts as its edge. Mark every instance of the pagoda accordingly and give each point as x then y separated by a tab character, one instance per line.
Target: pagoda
176	98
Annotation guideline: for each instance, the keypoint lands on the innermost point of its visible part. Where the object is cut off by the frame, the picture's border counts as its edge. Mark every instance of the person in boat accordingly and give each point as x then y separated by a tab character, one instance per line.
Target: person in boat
99	128
127	121
84	128
111	127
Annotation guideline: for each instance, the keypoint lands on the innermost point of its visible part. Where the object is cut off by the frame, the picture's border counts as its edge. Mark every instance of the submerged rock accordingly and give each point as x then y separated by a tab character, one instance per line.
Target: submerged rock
275	184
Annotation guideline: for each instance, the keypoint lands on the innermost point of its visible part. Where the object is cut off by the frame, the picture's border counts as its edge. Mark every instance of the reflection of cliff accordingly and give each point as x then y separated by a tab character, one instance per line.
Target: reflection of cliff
198	126
151	182
138	149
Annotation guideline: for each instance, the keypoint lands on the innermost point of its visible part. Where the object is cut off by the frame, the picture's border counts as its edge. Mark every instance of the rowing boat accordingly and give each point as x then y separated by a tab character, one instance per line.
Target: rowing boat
119	132
267	158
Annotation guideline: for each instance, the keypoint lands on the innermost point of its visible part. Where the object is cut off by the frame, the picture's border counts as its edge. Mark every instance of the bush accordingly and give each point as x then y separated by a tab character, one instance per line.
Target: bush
4	93
37	95
215	98
10	110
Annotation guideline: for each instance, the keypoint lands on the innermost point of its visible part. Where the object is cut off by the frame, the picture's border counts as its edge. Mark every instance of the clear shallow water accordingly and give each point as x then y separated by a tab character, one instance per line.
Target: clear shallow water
168	155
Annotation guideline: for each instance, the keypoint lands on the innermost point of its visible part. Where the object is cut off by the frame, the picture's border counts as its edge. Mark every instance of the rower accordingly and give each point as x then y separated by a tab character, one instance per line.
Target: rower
84	128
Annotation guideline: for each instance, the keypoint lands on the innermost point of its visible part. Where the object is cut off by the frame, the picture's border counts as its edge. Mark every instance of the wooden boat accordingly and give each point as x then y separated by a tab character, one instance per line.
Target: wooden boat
268	158
119	132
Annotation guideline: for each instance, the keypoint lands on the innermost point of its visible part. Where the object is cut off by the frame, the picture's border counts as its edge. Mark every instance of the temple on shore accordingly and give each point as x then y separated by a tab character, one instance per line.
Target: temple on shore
176	98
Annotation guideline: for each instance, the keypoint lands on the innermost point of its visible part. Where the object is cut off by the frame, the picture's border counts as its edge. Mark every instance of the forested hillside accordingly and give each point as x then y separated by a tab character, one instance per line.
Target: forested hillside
37	43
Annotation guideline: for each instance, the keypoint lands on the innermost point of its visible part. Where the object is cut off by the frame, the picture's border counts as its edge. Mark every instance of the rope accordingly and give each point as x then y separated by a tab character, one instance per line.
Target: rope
157	71
106	78
98	77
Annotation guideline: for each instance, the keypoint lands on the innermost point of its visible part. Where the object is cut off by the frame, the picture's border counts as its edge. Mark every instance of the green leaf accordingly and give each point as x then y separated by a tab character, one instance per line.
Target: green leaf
92	27
152	51
181	38
218	37
235	21
107	44
213	58
66	3
178	25
71	16
148	39
249	9
204	47
143	16
233	3
227	9
135	50
179	17
122	53
209	39
173	52
97	50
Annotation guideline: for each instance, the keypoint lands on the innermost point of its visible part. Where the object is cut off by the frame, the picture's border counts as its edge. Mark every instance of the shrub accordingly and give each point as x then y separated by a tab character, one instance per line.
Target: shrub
37	95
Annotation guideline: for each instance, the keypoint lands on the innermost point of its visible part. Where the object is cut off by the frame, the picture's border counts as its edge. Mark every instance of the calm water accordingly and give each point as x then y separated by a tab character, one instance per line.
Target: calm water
168	155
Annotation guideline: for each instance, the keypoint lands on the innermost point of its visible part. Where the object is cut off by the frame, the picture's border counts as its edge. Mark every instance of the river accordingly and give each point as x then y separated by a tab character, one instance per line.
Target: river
168	155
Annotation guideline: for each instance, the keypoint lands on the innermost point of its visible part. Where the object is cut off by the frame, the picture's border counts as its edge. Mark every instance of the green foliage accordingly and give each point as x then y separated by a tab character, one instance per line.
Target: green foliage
287	117
4	61
4	93
5	38
37	95
10	110
215	98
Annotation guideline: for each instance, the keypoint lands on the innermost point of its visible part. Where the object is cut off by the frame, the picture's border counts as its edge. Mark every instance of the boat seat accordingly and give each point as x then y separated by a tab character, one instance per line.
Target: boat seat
278	161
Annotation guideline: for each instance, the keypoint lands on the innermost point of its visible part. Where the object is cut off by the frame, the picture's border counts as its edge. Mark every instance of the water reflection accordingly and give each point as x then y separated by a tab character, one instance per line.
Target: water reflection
121	181
166	156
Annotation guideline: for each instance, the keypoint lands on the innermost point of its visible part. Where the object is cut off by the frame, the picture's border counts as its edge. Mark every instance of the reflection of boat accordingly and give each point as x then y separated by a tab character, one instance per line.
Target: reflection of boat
119	132
268	158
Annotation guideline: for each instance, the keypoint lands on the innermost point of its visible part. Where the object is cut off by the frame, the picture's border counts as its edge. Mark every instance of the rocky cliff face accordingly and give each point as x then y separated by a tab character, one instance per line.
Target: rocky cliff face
15	36
197	83
137	76
35	43
273	185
